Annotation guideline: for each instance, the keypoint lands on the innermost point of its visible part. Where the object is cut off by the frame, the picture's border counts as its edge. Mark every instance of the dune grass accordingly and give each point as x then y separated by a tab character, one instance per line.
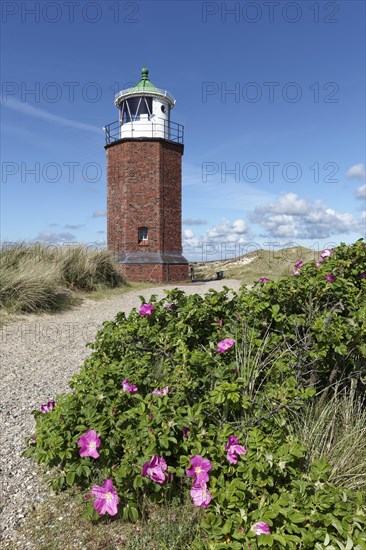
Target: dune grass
38	277
336	428
261	263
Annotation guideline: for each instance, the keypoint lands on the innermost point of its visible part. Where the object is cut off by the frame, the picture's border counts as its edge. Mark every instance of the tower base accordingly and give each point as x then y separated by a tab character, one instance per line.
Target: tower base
154	273
155	267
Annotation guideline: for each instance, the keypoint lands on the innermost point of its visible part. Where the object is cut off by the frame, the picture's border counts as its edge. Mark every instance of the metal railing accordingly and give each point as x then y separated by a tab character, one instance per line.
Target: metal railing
151	128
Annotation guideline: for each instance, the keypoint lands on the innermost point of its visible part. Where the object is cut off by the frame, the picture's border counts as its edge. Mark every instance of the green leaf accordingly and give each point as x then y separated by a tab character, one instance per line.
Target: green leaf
58	483
337	524
265	540
133	513
297	517
280	538
138	482
70	478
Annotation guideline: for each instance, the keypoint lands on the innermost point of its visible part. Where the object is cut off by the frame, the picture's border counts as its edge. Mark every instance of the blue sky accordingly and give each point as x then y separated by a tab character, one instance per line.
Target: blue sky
271	95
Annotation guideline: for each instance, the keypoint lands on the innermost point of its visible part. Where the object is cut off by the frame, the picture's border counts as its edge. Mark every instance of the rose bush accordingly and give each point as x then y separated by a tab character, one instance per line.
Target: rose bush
196	398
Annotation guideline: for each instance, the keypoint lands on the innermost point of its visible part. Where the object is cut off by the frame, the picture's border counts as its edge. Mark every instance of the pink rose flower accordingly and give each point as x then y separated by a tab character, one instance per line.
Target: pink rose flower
201	495
127	386
47	407
326	253
155	469
199	468
261	528
146	310
233	449
88	443
164	391
106	498
225	345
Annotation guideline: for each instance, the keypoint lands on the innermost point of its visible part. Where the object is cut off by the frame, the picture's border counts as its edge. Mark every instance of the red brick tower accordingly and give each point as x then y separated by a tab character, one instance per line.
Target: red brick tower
144	185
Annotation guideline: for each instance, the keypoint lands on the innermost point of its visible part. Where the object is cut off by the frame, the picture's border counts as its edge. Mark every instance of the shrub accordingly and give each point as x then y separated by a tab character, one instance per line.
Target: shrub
40	277
214	382
325	320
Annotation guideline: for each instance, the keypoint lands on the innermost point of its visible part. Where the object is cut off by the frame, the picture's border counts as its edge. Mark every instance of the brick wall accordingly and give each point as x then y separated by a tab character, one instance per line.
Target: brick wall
144	189
171	183
155	273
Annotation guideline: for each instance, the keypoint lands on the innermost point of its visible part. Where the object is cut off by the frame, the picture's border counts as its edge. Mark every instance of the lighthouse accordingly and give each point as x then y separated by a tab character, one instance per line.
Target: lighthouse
144	149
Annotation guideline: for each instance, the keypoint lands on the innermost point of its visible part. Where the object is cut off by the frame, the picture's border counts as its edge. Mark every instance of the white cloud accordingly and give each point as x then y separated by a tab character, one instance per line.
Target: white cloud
69	226
48	237
239	227
188	233
194	221
190	240
357	171
361	192
229	232
222	241
99	214
35	112
294	217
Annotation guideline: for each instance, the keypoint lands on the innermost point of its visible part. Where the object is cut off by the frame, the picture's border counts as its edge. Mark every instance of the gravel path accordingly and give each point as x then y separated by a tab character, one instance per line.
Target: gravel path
38	356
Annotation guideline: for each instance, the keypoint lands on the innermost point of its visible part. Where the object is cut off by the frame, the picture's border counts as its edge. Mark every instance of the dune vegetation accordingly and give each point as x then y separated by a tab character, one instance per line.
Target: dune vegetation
249	267
37	277
232	420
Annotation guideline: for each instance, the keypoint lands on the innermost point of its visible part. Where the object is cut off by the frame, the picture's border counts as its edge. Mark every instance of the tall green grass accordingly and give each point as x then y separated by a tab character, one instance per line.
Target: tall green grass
83	269
336	428
38	277
332	424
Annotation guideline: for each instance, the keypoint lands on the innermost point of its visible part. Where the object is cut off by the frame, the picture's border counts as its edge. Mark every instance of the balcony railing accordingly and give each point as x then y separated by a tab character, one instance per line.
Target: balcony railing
151	128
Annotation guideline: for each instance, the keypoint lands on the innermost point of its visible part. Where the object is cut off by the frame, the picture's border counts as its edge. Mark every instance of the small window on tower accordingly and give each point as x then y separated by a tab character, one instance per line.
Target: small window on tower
142	234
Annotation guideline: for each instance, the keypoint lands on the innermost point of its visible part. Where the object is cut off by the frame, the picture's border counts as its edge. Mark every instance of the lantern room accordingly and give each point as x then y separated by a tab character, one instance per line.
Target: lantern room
144	111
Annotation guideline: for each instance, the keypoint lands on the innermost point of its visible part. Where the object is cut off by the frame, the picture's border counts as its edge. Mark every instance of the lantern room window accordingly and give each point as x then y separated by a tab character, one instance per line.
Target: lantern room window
133	107
142	235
